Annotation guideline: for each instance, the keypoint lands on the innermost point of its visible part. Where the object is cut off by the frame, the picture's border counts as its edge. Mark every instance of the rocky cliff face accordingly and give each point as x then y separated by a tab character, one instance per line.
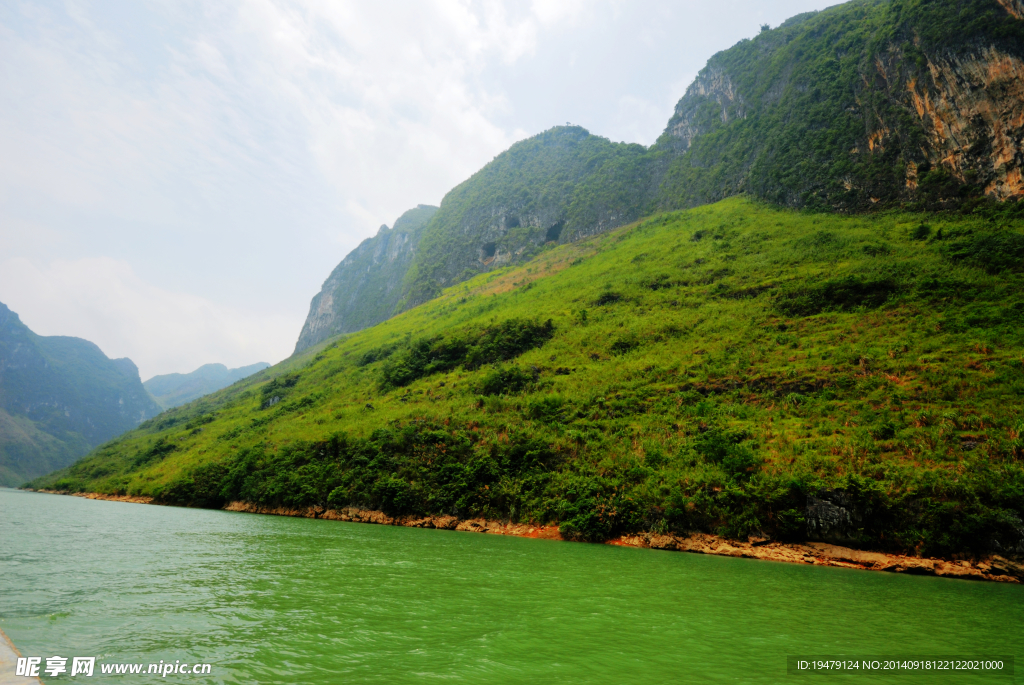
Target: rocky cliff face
366	286
869	102
61	396
711	98
970	108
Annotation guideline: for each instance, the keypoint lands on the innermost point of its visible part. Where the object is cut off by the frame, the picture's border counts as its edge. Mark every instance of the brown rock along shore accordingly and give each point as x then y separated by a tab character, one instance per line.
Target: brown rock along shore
994	568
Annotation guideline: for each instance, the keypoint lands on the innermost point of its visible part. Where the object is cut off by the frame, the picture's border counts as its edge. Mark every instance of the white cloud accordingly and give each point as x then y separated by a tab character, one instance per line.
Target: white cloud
104	301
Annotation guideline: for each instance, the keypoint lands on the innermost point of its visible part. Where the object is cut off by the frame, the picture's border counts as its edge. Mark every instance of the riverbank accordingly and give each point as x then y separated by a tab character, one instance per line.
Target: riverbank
994	568
9	656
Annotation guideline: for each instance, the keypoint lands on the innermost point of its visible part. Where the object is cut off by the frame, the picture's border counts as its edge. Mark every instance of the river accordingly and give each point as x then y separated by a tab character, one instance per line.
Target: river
286	600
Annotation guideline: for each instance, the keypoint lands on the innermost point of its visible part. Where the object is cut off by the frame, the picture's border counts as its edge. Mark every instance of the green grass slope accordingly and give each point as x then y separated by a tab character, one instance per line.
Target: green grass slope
732	368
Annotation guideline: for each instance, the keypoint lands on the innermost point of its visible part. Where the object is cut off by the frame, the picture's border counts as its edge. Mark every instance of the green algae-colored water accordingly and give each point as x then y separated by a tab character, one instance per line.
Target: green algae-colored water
267	599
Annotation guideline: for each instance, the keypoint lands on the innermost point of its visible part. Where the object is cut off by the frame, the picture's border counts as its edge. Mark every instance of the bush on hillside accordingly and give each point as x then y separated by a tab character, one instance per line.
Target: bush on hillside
495	344
841	294
509	380
993	252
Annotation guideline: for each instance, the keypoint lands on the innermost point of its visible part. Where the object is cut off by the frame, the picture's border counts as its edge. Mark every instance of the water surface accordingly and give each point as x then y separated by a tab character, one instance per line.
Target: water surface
268	599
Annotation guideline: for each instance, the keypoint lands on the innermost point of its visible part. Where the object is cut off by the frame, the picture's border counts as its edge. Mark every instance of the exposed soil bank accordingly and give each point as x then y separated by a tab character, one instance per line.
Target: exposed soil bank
994	568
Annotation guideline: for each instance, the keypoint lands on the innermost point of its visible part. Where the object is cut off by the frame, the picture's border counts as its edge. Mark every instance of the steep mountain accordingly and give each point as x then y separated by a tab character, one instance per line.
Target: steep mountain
175	389
559	186
868	104
733	368
59	398
366	286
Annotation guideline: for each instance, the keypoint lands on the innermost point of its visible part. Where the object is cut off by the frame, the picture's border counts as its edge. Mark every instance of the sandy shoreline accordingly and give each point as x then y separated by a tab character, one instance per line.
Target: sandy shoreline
995	568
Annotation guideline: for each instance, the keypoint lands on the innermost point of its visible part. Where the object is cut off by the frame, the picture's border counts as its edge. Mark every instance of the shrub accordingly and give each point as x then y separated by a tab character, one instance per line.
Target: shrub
723	447
607	298
375	355
591	510
550	409
277	389
993	252
506	381
625	344
157	452
503	342
842	294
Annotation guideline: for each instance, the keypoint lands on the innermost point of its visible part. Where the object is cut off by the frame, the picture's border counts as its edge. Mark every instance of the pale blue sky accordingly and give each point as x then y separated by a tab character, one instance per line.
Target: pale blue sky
180	177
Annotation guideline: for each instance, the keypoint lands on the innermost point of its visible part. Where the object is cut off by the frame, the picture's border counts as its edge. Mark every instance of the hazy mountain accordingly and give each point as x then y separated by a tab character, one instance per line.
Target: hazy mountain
174	389
59	398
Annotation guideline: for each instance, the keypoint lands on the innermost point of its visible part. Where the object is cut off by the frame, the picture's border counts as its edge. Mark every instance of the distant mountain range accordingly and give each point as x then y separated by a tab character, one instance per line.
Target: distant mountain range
175	389
59	398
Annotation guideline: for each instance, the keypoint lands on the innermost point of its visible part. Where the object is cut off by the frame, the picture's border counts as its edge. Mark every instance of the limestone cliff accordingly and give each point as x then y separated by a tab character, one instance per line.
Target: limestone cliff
867	104
970	107
366	286
864	104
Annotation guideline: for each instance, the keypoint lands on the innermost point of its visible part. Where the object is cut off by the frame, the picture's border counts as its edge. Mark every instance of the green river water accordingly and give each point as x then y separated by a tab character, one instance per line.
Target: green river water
268	599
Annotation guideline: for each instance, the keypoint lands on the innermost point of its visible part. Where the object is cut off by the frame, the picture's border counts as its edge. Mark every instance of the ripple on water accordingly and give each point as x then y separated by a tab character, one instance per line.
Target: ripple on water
272	599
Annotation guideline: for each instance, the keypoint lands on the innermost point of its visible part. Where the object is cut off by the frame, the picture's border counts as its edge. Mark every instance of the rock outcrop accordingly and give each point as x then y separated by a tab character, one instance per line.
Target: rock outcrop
366	286
970	107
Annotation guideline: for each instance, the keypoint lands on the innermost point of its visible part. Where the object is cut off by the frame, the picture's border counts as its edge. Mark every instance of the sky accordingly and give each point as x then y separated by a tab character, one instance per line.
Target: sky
179	178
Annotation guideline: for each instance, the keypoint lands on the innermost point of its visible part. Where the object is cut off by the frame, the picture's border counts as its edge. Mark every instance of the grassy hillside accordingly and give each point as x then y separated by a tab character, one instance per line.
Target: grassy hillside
716	369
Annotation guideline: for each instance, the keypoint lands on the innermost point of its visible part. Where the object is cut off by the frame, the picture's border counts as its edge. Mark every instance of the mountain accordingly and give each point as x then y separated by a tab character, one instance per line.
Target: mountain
59	398
866	105
174	389
708	335
734	368
365	287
